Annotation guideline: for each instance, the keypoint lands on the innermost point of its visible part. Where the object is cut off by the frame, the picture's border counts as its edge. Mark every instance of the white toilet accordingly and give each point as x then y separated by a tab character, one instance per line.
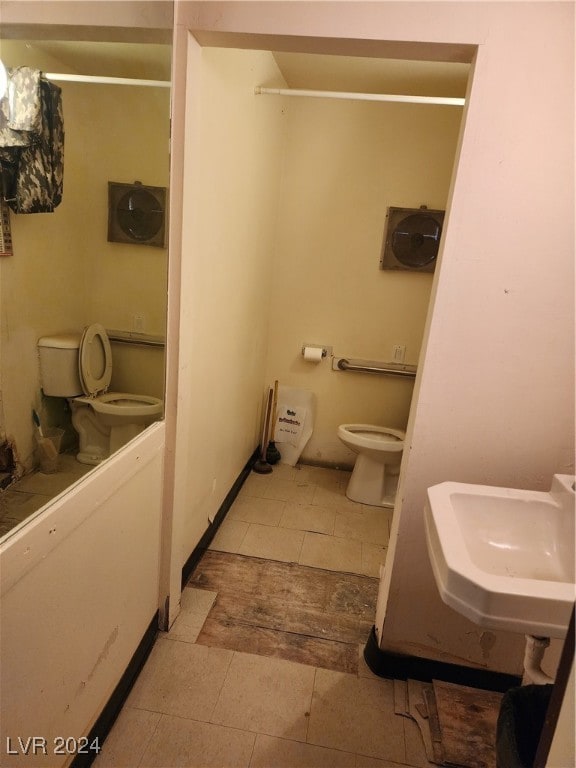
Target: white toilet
79	367
375	476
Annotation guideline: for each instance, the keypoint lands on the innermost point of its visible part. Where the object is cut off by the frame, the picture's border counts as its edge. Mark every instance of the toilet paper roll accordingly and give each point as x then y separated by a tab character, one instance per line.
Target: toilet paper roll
313	354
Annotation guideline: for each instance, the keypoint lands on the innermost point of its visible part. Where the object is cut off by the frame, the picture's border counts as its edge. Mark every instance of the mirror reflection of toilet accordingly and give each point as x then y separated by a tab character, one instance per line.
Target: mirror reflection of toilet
374	478
79	368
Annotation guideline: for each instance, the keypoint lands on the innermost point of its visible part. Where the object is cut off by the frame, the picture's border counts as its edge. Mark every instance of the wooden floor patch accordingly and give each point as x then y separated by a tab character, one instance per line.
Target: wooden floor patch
286	610
467	718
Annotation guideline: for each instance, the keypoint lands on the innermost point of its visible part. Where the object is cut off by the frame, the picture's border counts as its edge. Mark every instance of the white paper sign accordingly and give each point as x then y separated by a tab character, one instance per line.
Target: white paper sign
289	424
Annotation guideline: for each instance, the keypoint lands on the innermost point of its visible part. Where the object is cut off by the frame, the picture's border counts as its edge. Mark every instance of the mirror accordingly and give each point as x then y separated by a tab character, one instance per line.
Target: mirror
64	273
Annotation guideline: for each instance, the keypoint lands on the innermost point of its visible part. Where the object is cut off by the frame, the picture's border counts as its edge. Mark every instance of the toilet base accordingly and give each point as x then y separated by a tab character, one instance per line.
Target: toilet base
89	458
373	482
97	439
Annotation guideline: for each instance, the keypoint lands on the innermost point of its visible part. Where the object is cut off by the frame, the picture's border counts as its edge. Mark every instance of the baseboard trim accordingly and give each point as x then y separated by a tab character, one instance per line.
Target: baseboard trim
400	667
107	718
210	532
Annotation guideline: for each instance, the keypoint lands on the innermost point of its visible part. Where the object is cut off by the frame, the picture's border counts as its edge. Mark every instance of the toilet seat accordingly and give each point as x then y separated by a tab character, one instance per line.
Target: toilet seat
95	360
125	405
372	436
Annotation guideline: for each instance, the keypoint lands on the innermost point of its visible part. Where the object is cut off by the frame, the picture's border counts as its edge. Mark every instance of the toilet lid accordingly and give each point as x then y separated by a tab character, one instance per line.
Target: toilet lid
95	360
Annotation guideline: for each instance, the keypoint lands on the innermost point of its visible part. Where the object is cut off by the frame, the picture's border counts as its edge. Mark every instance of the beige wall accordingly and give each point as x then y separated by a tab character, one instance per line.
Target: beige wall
232	172
345	163
139	370
485	412
64	274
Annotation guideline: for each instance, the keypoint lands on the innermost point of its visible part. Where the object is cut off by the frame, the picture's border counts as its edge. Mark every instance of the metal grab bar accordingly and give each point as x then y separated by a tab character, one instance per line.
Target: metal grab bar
138	339
389	369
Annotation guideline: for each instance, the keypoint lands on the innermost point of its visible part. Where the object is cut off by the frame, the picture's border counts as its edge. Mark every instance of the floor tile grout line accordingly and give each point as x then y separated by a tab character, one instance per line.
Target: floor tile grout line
309	530
308	635
301	547
253	747
334	522
287	562
197	720
338	506
255	734
320	533
127	705
294	562
310	705
244	536
217	701
321	746
150	737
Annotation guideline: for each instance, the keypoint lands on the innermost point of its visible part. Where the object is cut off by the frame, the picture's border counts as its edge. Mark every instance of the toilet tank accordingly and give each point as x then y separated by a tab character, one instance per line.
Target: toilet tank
59	365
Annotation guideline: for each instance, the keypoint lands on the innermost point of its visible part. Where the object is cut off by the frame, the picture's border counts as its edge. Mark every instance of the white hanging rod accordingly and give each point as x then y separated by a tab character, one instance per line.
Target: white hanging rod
361	96
107	80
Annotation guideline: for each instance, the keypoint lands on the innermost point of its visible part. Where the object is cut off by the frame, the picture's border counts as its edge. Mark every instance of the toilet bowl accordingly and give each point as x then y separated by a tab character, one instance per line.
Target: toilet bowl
79	368
108	421
374	479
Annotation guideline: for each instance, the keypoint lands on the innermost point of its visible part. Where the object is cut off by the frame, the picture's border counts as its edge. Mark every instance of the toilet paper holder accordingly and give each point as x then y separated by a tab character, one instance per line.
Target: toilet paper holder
326	351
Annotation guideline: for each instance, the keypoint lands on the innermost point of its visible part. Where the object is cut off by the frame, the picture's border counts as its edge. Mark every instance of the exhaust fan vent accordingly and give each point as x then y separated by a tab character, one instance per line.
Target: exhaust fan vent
411	239
136	214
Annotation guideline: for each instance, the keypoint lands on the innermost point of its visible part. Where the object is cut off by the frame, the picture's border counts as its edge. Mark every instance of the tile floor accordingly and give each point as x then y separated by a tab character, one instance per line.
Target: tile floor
25	497
195	706
301	514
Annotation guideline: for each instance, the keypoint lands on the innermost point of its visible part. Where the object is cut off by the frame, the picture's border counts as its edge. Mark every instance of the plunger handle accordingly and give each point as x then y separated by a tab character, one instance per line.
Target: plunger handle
274	410
266	425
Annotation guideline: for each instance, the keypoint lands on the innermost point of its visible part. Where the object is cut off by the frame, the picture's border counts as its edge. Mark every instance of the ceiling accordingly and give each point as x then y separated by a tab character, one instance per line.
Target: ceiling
368	75
300	70
140	60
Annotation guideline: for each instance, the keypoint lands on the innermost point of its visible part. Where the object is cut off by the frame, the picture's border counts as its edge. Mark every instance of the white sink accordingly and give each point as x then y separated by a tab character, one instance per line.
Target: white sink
505	557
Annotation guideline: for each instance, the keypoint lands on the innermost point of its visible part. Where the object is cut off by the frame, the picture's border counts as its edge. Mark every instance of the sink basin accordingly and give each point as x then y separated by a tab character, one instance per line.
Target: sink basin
503	557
